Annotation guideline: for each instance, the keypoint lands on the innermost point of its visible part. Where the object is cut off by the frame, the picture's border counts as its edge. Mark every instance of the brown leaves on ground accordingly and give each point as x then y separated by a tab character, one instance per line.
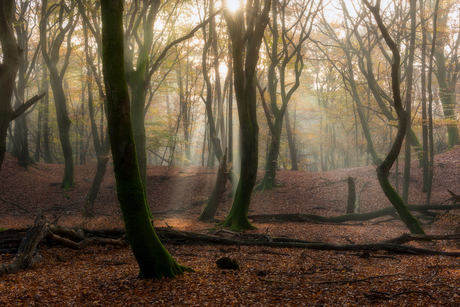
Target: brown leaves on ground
107	276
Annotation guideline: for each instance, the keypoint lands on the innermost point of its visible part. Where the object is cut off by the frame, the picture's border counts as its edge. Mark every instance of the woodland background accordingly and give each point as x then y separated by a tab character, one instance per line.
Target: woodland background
326	108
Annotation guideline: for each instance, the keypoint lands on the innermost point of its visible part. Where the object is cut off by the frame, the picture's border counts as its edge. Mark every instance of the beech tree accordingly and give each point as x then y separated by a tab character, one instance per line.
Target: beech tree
246	28
153	259
447	71
51	57
293	36
9	66
26	64
383	170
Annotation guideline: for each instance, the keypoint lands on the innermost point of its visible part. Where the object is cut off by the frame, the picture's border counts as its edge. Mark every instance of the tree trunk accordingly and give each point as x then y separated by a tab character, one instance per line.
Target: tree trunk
447	75
52	59
383	169
246	41
153	259
9	68
353	199
408	102
430	106
219	188
291	141
424	163
46	112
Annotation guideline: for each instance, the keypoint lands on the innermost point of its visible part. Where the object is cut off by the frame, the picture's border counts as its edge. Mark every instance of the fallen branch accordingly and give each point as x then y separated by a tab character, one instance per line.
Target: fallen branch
14	204
313	218
405	238
454	196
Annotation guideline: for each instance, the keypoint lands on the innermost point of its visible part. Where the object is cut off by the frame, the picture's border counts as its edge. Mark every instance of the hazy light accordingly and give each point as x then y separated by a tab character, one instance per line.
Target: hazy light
233	5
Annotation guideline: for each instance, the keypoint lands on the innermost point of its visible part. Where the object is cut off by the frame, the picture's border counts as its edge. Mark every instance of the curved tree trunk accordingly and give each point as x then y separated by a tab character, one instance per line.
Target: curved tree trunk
153	259
216	197
52	58
383	169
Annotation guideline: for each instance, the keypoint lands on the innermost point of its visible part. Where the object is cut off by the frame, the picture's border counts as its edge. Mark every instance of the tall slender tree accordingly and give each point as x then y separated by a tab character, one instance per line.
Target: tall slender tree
9	66
65	28
447	71
246	28
153	259
293	36
383	170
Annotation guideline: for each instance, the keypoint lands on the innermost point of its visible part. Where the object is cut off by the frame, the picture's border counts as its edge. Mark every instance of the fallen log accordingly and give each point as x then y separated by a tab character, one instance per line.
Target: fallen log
27	256
172	236
312	218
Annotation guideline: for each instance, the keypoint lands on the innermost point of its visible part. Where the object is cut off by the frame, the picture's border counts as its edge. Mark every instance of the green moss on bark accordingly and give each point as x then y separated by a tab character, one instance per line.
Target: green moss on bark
153	259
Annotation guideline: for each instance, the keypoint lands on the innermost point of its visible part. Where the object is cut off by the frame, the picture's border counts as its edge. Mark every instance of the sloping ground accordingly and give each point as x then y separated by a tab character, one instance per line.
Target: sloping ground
107	276
177	187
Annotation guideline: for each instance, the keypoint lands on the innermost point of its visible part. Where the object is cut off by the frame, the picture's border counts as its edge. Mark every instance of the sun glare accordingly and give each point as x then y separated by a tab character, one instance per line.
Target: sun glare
233	5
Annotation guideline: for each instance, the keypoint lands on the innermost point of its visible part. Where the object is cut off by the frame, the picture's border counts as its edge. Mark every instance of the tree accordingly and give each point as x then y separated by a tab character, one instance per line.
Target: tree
430	105
347	72
383	170
153	259
21	25
447	72
51	57
246	29
293	35
408	101
9	66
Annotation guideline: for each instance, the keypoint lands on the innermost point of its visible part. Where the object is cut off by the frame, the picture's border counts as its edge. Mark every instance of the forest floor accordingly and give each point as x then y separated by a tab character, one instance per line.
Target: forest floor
107	275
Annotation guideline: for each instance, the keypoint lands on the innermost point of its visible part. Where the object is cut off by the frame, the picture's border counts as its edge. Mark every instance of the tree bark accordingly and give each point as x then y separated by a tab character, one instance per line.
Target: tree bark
353	200
219	188
153	259
383	169
246	40
56	78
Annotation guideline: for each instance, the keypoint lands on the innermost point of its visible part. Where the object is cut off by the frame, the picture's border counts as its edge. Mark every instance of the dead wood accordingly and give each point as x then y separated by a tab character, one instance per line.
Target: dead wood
425	210
26	252
454	196
25	256
353	199
81	238
14	204
405	238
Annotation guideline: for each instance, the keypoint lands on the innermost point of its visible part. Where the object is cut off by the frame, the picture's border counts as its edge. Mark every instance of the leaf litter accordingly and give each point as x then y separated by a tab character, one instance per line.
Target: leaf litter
107	275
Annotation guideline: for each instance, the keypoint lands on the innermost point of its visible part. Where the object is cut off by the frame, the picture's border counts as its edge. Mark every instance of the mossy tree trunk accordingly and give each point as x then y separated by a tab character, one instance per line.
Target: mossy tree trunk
153	259
246	33
383	169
